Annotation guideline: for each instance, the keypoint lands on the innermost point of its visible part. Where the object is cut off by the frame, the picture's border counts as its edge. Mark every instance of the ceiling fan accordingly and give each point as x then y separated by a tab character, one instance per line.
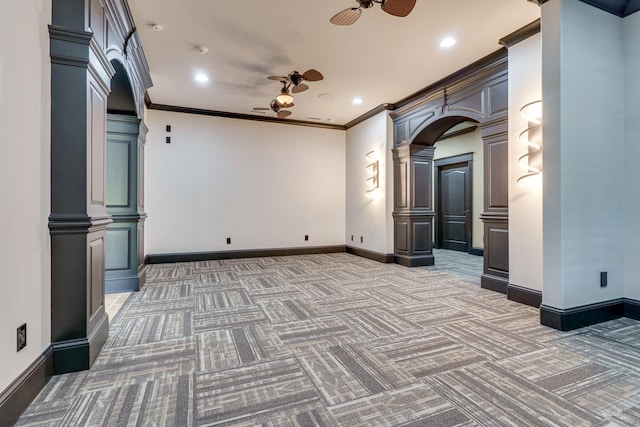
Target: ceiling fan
294	83
348	16
295	79
277	108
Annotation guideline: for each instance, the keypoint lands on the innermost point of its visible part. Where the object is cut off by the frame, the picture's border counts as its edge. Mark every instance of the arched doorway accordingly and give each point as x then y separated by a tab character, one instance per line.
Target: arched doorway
480	95
124	236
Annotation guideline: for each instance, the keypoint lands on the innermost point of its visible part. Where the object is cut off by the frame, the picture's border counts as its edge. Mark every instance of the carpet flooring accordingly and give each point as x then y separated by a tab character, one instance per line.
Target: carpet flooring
338	340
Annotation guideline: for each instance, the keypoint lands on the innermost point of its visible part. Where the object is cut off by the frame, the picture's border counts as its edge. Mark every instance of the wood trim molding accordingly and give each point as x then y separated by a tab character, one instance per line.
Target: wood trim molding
494	283
618	8
380	108
538	2
452	160
248	253
21	392
521	34
476	251
484	65
372	255
523	295
228	115
586	315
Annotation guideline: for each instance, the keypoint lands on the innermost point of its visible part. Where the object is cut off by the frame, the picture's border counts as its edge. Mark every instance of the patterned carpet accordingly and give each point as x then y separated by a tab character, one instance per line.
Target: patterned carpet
338	340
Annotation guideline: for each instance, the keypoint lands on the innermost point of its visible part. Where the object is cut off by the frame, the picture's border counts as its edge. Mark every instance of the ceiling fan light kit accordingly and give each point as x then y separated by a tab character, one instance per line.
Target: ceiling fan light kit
294	82
399	8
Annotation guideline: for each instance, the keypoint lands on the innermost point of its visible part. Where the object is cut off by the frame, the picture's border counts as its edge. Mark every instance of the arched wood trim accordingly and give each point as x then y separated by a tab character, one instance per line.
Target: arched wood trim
480	95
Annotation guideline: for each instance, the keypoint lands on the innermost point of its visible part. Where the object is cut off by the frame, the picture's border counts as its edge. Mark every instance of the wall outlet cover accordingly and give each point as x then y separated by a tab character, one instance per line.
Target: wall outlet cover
21	337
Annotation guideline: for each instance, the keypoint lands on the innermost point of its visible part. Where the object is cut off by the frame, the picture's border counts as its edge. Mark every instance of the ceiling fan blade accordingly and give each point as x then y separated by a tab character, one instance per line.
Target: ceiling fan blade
346	17
278	78
313	75
261	109
283	114
300	88
399	8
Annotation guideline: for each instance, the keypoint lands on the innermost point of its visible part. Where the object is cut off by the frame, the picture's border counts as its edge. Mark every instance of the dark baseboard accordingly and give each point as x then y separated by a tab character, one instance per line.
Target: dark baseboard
79	354
250	253
70	356
375	256
524	295
476	251
494	283
414	261
586	315
632	309
21	392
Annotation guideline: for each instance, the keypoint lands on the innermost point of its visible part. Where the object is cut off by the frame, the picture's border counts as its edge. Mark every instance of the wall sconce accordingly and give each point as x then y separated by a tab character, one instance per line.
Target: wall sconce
531	161
373	173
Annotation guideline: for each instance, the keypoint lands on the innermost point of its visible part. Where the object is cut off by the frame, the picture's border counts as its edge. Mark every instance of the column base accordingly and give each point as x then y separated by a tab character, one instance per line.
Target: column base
414	261
494	283
79	354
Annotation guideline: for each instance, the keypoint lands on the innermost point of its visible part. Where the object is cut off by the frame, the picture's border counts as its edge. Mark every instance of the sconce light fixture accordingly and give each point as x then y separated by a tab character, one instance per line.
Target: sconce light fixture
373	174
531	161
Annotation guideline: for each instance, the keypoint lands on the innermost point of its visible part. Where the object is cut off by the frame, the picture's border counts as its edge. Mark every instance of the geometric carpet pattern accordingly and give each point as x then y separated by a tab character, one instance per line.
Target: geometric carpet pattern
339	340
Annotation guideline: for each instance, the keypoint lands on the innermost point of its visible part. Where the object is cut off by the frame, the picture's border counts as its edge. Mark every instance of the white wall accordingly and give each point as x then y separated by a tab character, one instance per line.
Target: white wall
264	185
468	143
366	216
525	203
631	34
25	95
584	179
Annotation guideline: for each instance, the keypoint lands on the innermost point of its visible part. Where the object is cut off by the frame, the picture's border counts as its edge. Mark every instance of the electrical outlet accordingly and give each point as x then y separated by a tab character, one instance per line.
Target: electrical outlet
168	128
21	337
306	237
603	279
352	237
168	140
361	239
228	240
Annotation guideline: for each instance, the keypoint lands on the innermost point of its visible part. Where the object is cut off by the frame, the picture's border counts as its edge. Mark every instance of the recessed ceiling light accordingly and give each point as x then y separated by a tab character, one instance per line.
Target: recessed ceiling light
447	42
202	78
357	101
157	27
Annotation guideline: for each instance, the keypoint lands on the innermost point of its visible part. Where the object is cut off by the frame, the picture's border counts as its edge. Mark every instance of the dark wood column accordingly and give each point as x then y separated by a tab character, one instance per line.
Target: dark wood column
80	75
495	135
413	209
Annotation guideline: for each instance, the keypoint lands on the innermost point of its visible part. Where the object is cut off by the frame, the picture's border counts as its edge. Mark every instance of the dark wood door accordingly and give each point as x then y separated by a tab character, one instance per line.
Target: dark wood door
454	218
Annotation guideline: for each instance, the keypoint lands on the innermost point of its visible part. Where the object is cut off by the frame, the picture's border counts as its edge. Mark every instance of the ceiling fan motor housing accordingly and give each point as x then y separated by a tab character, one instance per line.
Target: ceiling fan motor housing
296	78
366	4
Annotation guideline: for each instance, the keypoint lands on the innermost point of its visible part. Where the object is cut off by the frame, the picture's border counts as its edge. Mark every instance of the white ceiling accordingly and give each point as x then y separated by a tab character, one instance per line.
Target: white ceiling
380	58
